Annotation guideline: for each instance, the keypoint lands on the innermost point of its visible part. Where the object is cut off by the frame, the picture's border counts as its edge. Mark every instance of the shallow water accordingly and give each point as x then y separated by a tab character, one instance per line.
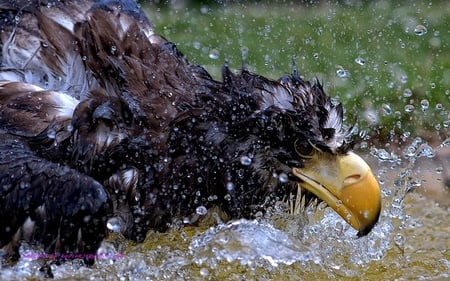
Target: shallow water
410	242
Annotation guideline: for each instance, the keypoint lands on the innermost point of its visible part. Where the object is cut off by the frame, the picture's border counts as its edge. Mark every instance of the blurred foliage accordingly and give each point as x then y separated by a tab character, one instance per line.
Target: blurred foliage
388	62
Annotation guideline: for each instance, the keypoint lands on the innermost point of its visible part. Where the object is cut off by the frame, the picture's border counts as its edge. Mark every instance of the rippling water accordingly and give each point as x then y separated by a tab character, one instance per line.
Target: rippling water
410	242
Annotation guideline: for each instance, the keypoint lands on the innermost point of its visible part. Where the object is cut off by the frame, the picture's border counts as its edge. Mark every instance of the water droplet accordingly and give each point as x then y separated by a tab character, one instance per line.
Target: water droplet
69	128
403	79
51	134
204	272
44	44
386	109
244	52
360	61
349	217
204	9
409	108
407	93
396	210
214	54
399	183
342	73
426	150
366	214
399	240
362	134
446	123
267	60
289	40
201	210
245	160
230	186
363	145
420	30
410	151
371	116
316	55
386	192
424	104
212	198
439	170
113	49
283	178
113	224
196	45
383	155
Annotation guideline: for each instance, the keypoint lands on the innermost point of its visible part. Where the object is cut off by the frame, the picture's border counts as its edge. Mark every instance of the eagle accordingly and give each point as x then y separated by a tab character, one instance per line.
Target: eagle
105	126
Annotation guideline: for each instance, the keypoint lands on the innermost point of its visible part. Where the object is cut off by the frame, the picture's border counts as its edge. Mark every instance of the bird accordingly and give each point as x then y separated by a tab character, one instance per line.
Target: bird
105	126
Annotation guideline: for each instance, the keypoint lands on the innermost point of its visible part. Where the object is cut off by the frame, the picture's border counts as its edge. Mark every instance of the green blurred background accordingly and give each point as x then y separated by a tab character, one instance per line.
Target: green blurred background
388	62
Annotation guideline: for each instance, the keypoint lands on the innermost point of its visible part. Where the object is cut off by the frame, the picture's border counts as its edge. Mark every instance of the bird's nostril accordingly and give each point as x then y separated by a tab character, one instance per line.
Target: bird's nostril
352	179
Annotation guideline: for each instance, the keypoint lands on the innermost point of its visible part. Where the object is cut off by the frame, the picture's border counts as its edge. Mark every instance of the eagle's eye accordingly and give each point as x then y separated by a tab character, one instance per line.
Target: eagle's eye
303	148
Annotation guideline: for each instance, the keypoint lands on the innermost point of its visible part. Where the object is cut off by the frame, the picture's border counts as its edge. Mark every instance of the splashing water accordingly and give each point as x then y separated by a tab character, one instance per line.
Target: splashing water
325	248
249	242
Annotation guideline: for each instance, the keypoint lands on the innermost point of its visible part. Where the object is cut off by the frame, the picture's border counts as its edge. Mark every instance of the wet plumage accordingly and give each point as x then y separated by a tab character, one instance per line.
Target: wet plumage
101	120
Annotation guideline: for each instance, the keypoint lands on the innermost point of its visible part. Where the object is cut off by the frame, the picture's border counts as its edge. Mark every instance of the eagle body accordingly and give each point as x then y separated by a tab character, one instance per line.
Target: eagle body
105	126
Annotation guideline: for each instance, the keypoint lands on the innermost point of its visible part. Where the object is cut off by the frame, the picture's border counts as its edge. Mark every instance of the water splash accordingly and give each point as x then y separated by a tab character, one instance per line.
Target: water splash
251	243
339	246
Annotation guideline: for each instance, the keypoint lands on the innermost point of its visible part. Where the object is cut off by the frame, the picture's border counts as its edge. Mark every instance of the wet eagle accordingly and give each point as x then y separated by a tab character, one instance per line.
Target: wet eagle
105	126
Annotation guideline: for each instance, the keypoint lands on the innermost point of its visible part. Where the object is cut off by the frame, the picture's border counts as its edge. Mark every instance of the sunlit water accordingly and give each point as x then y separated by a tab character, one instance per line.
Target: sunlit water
410	242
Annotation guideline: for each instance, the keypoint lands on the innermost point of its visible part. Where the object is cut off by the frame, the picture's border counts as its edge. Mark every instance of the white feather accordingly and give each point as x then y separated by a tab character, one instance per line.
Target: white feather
64	104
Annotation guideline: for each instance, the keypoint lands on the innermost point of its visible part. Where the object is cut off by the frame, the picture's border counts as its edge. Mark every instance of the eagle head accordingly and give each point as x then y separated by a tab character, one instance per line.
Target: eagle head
255	137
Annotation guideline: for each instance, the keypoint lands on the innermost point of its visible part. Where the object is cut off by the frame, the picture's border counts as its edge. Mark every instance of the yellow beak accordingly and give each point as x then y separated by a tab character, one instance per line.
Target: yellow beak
347	185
